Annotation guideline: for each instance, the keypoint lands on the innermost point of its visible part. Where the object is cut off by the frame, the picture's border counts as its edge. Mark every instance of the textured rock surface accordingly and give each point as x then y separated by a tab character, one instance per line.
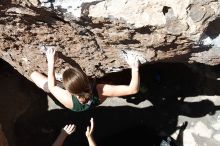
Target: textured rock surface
93	33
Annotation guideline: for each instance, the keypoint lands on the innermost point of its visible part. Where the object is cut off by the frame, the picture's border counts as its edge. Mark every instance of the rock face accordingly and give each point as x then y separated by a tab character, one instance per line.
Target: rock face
93	33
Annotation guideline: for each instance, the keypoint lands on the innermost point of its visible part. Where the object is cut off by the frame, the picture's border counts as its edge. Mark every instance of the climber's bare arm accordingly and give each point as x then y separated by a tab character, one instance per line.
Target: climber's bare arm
60	94
107	90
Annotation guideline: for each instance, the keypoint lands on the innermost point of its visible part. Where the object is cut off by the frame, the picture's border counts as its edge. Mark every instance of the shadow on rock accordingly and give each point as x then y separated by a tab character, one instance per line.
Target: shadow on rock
17	96
113	125
169	81
162	84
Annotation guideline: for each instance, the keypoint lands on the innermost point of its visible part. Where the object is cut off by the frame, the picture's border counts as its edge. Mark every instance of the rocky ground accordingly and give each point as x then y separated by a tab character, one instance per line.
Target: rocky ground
170	94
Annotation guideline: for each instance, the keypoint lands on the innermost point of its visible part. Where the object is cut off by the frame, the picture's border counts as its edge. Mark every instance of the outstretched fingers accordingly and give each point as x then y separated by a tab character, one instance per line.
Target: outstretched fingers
89	129
69	129
92	125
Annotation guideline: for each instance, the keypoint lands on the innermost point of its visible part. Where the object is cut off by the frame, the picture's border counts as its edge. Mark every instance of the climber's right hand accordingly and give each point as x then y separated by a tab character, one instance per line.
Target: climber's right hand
51	57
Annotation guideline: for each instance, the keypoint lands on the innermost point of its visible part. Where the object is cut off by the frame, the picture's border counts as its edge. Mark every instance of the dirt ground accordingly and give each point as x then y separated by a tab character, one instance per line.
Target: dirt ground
170	94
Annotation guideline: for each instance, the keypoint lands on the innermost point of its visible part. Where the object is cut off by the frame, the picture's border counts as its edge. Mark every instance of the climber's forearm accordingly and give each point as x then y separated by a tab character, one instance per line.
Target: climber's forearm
135	81
51	77
60	139
91	141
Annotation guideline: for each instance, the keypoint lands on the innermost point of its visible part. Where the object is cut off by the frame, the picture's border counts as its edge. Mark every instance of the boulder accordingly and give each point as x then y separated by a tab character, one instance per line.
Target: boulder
94	33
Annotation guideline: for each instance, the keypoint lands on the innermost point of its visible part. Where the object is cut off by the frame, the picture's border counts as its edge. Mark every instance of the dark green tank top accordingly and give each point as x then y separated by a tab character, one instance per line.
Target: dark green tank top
94	101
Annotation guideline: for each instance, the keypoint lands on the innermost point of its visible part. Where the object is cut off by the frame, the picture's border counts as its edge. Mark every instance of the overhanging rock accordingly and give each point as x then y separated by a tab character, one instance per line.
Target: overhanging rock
94	33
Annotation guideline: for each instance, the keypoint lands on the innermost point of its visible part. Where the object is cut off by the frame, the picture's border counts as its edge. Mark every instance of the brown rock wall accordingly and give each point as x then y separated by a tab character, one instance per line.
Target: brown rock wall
95	43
